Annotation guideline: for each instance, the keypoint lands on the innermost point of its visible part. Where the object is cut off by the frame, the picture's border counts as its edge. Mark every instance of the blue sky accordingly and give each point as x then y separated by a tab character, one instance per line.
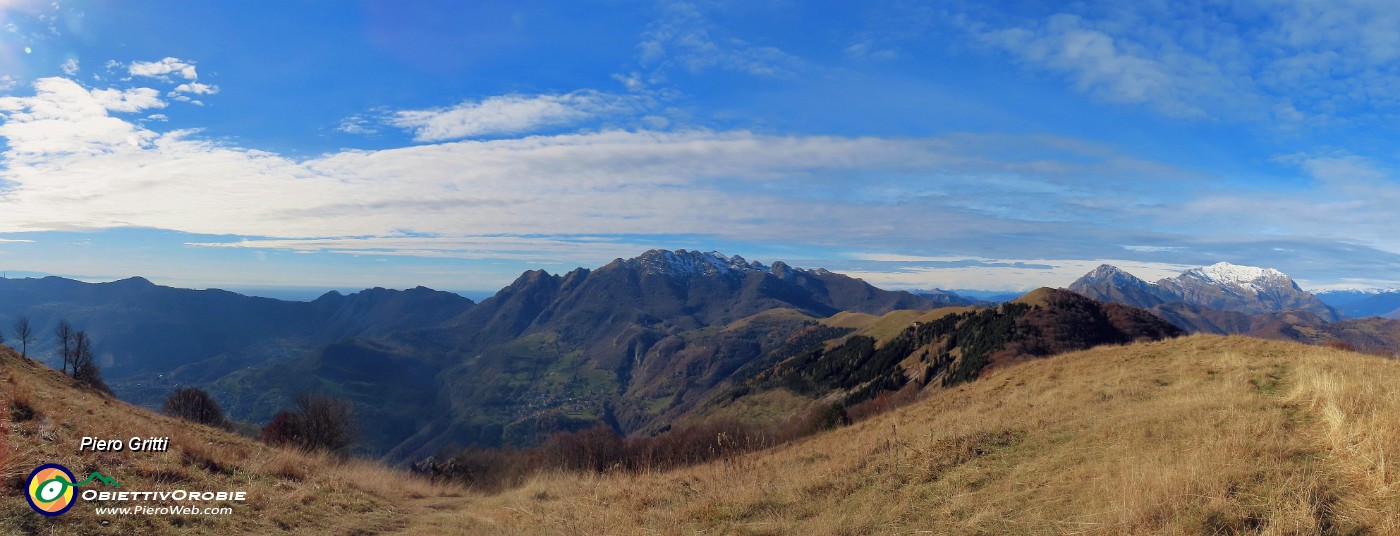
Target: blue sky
997	145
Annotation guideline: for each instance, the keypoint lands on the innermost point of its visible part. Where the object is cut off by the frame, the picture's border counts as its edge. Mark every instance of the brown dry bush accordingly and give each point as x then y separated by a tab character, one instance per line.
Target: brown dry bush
283	430
885	401
194	405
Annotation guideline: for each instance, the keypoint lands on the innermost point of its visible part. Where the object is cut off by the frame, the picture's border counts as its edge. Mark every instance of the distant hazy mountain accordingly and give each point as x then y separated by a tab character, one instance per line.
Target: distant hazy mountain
1221	287
989	296
947	296
141	330
1363	303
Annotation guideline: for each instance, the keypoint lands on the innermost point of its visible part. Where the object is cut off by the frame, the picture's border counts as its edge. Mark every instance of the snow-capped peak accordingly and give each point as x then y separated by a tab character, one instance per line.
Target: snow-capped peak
1224	273
690	263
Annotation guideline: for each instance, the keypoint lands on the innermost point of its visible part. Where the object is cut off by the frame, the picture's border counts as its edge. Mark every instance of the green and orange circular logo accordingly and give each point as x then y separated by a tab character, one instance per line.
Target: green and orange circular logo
50	489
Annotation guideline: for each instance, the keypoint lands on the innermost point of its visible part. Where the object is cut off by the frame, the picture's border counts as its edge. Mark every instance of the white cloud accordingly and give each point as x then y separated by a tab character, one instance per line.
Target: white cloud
70	67
130	100
521	248
71	164
163	69
196	88
63	118
7	82
509	114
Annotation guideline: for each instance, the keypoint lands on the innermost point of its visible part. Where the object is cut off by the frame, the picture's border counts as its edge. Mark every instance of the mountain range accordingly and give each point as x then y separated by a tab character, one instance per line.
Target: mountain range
639	344
1362	303
546	352
1222	286
1228	299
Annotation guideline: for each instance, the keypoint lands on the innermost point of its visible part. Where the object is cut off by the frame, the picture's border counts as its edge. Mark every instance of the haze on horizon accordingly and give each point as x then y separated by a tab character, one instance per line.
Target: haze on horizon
954	145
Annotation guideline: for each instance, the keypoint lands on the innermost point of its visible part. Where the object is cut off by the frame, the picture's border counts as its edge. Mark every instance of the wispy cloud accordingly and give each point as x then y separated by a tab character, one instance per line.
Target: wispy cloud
357	124
507	114
1114	67
684	36
1286	61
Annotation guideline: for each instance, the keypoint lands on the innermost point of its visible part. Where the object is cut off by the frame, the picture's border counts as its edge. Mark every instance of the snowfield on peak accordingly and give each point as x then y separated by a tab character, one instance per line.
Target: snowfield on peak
1221	286
691	263
1224	273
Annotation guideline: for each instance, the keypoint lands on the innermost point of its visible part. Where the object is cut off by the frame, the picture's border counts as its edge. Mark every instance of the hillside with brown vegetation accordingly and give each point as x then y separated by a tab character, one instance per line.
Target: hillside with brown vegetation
1200	434
44	415
1195	435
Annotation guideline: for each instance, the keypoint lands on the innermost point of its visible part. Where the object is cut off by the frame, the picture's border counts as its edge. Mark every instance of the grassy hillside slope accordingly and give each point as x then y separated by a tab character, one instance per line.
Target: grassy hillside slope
43	416
1201	434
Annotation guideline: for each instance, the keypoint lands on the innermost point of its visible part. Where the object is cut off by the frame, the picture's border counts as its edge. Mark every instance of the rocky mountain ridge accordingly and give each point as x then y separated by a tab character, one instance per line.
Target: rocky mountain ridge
1221	286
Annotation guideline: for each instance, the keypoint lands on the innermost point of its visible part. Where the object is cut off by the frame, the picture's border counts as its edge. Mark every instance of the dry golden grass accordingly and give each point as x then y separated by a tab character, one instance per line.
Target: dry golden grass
854	320
888	326
781	314
288	491
1198	435
1357	402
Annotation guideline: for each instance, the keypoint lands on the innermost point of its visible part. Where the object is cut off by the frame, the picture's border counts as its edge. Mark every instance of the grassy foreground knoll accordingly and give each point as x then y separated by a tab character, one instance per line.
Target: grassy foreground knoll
43	416
1196	435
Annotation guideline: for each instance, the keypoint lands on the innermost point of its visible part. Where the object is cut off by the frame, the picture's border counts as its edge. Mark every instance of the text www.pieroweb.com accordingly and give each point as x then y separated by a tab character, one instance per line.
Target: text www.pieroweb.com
162	510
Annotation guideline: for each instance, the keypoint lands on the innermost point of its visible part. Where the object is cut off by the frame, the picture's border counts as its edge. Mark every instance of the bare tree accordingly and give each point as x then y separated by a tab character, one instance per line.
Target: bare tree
81	354
85	369
24	333
65	340
326	423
